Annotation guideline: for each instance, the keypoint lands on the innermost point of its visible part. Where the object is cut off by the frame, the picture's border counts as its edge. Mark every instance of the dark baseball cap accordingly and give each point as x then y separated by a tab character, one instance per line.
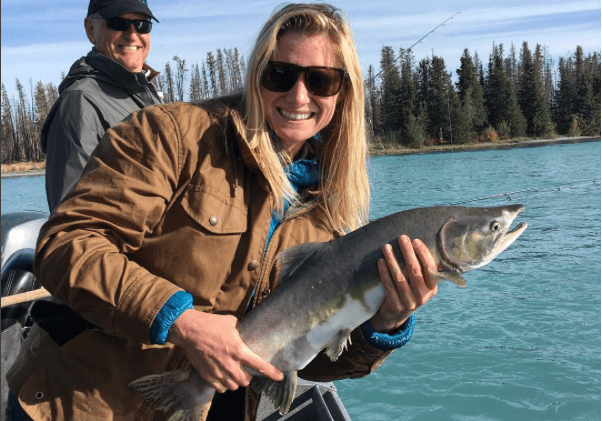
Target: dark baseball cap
112	8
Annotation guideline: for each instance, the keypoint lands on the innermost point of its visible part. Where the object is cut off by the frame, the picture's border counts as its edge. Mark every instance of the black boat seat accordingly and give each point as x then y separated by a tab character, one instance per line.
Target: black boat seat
17	282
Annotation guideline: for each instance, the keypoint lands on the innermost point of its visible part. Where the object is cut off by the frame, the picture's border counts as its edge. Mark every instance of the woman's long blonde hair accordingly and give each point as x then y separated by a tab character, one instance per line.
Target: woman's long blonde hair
344	187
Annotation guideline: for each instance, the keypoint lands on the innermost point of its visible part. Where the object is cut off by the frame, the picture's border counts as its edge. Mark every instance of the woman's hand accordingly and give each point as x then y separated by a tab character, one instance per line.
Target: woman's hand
214	348
403	295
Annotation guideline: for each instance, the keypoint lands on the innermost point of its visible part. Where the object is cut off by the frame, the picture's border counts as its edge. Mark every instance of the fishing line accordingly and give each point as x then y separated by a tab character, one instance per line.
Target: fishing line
409	50
371	80
535	191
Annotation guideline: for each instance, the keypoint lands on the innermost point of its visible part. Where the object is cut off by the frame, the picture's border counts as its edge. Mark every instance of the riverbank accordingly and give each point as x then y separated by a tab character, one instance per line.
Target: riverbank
38	169
381	150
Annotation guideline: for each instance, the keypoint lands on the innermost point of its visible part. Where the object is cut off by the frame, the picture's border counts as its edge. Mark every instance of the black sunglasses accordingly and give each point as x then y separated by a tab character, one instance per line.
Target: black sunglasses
321	81
123	24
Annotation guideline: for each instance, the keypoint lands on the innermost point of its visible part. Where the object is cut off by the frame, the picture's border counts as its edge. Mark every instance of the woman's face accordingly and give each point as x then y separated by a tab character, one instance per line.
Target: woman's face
297	115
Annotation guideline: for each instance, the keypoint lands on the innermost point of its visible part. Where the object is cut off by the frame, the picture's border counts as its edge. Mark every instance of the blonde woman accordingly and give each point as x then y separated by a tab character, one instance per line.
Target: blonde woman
172	232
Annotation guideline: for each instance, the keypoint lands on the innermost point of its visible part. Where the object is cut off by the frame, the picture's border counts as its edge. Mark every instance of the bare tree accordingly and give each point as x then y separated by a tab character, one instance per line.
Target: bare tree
180	77
196	89
205	82
221	72
52	94
237	68
8	129
169	84
212	70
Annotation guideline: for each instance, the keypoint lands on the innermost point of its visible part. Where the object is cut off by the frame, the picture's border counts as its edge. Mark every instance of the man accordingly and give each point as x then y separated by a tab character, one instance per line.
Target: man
100	90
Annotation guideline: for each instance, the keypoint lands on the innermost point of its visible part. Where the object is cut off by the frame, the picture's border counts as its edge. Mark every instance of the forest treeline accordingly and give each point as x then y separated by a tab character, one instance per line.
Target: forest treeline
521	93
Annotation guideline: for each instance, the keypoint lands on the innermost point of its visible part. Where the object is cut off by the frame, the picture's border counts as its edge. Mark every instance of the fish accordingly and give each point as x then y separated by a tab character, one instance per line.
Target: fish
326	290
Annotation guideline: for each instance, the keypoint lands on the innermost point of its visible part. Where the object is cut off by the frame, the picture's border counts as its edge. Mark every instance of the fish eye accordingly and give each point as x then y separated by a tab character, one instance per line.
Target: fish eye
495	226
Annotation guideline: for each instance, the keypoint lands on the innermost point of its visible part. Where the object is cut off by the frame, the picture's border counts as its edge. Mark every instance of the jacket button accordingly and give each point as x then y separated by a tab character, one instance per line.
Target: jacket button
266	292
213	221
253	264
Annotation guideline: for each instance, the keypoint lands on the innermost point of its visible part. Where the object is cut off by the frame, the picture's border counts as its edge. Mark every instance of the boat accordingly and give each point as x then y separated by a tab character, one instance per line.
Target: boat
314	401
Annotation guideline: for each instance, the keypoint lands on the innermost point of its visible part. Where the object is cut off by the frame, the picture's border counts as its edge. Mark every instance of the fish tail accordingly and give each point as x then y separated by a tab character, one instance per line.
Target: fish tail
280	393
180	394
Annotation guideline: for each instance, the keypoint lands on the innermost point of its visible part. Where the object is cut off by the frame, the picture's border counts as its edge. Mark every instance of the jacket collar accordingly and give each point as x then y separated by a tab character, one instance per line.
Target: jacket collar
97	65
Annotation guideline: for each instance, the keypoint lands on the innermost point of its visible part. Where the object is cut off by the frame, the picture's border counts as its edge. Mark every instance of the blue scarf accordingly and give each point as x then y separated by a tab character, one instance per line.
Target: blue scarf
301	173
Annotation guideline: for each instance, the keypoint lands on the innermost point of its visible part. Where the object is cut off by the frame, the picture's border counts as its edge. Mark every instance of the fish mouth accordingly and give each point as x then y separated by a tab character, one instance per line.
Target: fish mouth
513	234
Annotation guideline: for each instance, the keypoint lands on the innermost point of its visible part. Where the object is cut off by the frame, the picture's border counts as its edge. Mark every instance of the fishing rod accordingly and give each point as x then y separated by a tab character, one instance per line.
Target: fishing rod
409	50
555	188
371	80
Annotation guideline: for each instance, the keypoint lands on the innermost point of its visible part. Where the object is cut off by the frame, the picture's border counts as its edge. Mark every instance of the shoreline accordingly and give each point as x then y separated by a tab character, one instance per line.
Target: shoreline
388	151
469	147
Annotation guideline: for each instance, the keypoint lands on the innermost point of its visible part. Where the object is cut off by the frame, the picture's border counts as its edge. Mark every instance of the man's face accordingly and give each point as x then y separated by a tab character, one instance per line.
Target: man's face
128	48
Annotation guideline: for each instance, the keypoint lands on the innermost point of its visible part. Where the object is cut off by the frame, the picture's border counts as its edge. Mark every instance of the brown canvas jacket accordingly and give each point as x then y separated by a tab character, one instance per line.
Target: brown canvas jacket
172	199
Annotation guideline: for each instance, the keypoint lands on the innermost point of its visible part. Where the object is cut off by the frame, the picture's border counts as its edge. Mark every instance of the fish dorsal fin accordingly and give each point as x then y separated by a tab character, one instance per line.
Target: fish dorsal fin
449	275
290	259
339	344
280	393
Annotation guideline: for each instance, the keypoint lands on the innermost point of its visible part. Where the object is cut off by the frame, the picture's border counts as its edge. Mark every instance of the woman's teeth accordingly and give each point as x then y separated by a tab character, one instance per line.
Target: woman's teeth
130	48
295	116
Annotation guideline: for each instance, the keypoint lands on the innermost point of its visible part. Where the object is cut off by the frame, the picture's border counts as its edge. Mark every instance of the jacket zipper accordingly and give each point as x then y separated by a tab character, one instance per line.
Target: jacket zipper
262	272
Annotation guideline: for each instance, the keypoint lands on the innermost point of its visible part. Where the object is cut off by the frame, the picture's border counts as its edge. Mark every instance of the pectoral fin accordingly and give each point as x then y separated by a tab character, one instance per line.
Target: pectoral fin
454	276
339	344
280	393
290	259
180	394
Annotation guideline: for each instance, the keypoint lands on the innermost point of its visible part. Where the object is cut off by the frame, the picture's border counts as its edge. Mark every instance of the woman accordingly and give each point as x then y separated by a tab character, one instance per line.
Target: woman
172	232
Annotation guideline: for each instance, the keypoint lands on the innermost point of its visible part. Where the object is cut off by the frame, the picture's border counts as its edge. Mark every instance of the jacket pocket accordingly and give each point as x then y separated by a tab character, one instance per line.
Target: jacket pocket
215	211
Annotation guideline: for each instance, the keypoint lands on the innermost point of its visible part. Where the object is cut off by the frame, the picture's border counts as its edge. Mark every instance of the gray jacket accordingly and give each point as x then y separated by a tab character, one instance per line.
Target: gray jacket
96	94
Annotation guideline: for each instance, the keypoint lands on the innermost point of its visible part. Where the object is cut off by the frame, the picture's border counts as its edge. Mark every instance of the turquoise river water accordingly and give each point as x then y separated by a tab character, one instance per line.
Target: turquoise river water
522	341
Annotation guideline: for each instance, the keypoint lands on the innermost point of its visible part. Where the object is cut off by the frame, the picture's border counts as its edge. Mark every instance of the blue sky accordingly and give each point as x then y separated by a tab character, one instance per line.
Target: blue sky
42	38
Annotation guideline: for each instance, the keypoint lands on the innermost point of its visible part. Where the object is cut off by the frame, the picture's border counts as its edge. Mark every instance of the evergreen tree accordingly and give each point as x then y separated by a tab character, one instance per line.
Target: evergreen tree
578	64
471	93
413	129
563	106
459	115
512	69
391	119
422	79
587	108
371	100
548	82
437	101
500	99
478	65
530	97
538	64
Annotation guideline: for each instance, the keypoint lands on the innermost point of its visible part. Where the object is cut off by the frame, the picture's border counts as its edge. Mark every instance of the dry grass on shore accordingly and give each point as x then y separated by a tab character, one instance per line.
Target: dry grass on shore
23	166
384	148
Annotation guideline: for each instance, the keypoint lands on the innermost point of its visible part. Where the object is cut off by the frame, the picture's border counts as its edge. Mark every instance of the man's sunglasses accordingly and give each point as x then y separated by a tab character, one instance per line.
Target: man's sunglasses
321	81
123	24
